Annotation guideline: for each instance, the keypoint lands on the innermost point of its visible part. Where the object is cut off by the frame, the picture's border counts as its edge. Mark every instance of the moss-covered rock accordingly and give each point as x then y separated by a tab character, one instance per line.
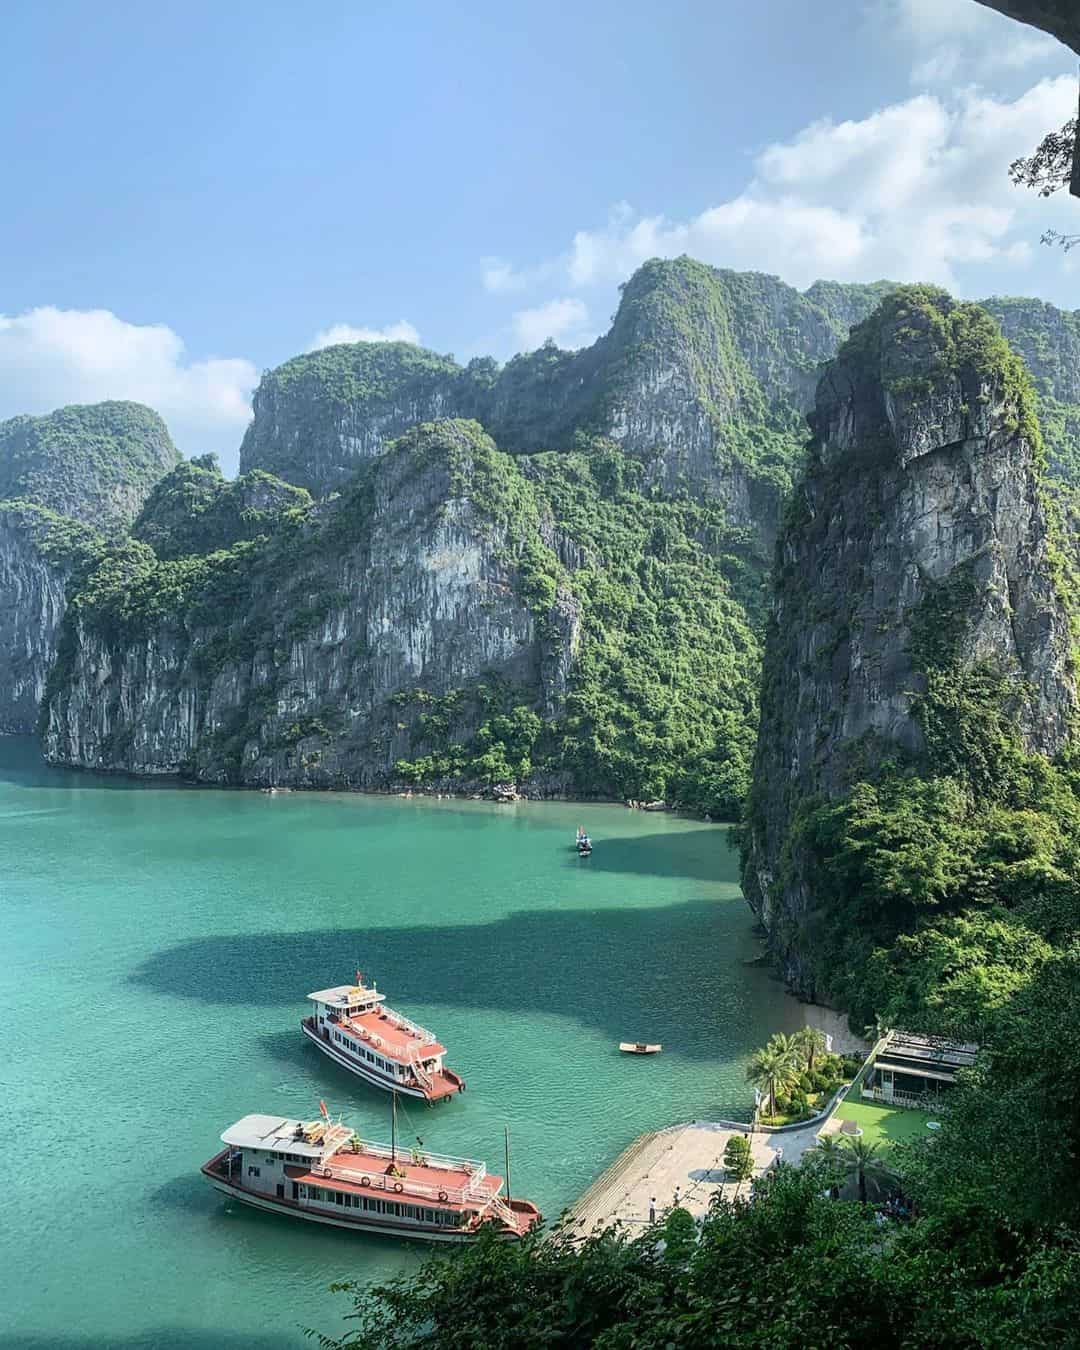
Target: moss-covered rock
453	617
96	463
921	622
195	509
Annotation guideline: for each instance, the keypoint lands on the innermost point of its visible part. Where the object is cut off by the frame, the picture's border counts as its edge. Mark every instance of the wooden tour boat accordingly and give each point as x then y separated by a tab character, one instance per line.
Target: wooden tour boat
320	1171
639	1048
351	1026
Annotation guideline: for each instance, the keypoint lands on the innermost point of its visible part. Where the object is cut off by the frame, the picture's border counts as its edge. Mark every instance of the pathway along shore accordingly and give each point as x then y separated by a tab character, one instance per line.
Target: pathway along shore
680	1165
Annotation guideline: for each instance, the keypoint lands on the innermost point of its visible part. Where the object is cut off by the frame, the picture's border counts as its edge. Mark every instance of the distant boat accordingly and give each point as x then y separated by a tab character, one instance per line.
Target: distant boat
639	1048
584	843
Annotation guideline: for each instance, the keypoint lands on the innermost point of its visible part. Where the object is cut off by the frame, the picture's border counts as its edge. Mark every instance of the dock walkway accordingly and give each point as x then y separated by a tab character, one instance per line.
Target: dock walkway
680	1165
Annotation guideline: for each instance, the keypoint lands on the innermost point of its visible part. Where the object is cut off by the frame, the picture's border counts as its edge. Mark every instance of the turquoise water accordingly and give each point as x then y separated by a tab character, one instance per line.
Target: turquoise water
158	944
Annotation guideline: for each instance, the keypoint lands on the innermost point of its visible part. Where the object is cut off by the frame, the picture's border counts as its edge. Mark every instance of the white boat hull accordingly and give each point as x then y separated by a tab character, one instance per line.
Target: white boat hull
290	1209
368	1073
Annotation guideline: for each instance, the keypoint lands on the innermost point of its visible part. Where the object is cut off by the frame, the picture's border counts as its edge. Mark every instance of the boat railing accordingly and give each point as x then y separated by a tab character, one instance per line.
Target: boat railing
404	1024
379	1179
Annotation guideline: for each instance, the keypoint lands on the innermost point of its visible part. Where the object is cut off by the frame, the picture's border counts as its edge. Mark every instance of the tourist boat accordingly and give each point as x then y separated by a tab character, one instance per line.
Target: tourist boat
639	1048
584	843
351	1025
320	1171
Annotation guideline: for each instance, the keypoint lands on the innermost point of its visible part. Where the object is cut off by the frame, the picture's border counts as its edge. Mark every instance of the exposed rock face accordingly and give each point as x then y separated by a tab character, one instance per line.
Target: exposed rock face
920	520
1058	17
705	374
38	552
319	416
400	584
95	463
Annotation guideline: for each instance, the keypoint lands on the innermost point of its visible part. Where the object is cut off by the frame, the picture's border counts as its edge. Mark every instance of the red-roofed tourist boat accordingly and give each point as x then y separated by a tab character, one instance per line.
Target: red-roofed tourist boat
322	1172
351	1025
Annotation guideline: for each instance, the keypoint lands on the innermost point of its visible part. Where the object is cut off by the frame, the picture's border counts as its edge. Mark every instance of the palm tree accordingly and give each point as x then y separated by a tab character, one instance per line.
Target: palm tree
831	1154
773	1069
810	1042
862	1161
785	1045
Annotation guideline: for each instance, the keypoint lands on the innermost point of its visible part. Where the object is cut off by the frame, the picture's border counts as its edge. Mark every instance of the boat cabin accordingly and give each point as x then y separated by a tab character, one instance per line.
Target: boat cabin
389	1049
321	1171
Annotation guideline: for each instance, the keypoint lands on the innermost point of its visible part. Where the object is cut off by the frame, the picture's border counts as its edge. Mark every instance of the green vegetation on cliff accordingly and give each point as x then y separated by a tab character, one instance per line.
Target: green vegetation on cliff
96	463
704	373
661	697
67	543
195	509
646	598
939	867
933	882
1048	340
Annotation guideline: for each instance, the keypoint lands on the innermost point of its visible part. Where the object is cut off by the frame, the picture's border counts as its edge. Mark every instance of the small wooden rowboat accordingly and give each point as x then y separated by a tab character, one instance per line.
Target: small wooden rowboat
639	1048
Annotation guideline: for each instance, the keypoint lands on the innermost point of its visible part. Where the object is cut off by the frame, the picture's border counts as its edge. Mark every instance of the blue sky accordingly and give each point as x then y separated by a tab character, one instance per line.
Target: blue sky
195	192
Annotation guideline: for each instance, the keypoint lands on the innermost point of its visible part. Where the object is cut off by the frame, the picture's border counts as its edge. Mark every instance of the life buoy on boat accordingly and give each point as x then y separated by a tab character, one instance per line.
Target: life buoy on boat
398	1187
443	1195
365	1181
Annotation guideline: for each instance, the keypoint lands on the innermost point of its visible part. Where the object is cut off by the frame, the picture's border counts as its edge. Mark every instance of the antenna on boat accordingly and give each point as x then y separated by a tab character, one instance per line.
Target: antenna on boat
506	1151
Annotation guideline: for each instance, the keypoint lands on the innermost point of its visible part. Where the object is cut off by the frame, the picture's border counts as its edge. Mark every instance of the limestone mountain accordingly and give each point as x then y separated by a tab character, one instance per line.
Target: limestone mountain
455	615
613	515
704	376
66	477
922	620
195	509
95	463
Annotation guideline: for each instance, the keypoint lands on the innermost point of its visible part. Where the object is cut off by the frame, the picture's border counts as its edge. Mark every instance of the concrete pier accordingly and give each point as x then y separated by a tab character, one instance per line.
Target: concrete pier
681	1165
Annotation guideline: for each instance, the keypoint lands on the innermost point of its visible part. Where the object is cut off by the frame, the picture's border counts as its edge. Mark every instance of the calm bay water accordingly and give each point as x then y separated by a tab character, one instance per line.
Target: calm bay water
158	944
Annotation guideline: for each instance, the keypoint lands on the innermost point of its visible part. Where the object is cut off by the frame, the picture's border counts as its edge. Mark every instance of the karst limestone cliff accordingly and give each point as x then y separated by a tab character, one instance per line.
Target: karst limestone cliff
918	552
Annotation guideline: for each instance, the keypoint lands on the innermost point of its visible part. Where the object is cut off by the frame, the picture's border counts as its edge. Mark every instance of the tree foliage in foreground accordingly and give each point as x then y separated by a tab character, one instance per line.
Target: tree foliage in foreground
793	1268
1047	170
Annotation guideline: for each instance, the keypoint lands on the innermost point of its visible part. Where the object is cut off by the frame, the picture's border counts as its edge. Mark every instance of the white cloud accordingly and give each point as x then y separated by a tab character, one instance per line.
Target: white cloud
914	191
402	331
500	276
564	320
49	357
957	40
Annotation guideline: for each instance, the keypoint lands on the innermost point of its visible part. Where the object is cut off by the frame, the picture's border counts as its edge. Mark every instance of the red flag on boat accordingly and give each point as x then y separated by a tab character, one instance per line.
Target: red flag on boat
323	1111
360	977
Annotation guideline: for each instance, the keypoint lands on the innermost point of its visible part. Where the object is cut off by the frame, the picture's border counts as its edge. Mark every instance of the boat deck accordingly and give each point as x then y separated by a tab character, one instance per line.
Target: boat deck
368	1173
443	1082
397	1042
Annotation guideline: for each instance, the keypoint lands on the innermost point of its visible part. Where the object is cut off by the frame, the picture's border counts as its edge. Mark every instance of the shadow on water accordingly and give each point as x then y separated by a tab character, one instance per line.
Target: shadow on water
188	1193
688	853
666	968
295	1051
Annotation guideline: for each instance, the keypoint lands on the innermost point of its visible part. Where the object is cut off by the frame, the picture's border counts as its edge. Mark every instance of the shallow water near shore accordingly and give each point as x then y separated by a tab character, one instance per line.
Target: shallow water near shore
159	942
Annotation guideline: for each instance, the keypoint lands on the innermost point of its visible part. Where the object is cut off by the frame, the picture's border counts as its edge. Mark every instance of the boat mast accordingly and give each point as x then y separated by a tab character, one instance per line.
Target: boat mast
506	1151
393	1132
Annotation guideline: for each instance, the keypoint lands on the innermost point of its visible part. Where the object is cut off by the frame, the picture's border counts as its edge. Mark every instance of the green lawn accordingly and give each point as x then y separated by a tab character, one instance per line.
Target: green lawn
886	1125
